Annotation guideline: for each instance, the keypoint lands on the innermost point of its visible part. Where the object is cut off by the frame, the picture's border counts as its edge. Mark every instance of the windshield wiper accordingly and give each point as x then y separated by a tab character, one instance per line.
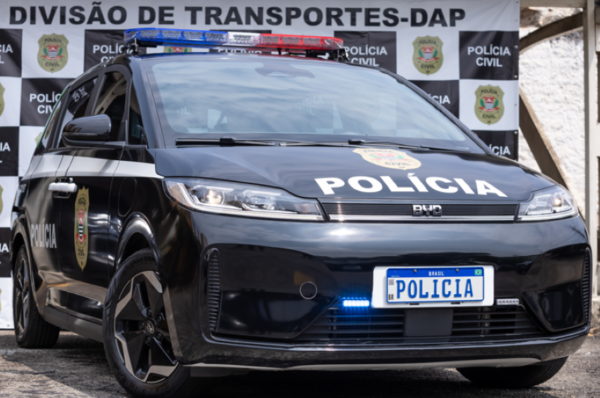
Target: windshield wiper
351	142
230	141
363	142
220	141
312	143
381	143
391	143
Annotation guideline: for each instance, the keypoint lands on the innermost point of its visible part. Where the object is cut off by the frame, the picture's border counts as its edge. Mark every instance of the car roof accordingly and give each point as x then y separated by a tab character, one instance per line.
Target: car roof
128	58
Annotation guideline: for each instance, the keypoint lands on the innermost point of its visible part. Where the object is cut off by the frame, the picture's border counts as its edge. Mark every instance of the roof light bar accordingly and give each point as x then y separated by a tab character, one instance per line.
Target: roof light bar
243	39
178	37
302	42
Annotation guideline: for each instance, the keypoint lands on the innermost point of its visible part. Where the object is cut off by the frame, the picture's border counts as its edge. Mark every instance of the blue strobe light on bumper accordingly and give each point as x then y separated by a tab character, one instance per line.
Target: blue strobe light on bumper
355	303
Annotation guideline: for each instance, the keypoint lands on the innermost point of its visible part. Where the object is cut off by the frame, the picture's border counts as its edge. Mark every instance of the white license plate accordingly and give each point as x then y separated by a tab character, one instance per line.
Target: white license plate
433	286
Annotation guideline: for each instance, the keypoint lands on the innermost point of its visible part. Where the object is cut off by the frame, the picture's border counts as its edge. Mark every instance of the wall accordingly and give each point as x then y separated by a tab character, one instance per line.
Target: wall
551	75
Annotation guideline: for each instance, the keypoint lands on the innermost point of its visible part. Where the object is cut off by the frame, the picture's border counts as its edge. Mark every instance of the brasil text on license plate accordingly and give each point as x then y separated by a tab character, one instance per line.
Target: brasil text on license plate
435	285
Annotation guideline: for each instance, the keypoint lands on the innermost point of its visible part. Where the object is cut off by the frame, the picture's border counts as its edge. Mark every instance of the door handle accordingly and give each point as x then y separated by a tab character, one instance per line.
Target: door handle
68	187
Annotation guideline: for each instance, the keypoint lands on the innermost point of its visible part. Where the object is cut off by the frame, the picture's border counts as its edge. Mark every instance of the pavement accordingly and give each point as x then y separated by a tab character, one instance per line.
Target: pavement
76	367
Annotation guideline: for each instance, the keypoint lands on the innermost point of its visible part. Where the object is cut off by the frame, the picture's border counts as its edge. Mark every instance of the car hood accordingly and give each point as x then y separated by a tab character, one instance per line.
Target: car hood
358	173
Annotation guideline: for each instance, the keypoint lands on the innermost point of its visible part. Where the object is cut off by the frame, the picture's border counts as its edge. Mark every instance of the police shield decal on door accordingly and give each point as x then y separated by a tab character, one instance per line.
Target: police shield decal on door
82	204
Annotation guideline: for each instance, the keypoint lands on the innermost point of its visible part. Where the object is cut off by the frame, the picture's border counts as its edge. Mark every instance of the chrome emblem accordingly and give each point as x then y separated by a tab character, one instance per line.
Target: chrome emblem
427	210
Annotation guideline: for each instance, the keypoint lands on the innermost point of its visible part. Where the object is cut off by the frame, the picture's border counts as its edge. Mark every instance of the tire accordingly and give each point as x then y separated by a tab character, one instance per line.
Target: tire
136	334
31	330
518	377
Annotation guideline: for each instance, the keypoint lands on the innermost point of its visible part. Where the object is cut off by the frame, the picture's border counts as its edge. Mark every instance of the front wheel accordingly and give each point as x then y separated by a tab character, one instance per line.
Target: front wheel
519	377
137	339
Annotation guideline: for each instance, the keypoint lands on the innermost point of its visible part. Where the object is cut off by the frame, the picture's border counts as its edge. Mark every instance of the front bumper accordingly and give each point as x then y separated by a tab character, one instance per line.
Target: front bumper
260	315
241	355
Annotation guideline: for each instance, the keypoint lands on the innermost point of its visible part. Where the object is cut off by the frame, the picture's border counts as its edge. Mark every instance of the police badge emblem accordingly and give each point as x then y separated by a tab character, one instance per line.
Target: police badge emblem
53	55
82	205
428	57
2	103
489	107
388	158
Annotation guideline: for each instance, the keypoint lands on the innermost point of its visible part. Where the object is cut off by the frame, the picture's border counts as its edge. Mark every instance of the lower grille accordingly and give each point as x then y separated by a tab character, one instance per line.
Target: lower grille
214	290
342	326
586	287
493	321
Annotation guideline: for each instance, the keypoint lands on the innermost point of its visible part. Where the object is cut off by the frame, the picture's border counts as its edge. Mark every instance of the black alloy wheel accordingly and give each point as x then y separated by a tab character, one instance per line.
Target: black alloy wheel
31	330
21	298
142	331
137	337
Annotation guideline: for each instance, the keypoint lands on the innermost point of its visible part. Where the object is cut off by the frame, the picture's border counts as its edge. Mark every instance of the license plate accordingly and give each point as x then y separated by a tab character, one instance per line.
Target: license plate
435	285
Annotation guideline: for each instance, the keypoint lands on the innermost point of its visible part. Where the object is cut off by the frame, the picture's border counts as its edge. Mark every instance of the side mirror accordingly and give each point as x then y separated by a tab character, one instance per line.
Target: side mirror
86	131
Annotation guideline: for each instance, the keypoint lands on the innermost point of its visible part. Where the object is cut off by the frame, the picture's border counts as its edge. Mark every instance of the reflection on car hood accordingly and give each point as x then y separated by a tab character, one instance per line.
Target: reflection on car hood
358	173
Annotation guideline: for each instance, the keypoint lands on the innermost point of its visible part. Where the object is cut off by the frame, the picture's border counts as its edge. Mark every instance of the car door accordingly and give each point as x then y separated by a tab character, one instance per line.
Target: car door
85	214
41	208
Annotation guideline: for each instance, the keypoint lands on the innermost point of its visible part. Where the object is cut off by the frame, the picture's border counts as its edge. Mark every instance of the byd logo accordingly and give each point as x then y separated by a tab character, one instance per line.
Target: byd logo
427	210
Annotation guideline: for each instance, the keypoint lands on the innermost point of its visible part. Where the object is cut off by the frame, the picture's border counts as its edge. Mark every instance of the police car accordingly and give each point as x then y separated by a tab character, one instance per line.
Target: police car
214	212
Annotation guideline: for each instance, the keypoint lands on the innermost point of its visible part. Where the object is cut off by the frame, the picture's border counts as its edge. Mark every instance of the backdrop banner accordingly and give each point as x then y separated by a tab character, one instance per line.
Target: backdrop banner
463	53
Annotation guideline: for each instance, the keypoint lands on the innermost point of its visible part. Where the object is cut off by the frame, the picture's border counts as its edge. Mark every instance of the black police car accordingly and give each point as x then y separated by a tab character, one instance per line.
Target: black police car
206	214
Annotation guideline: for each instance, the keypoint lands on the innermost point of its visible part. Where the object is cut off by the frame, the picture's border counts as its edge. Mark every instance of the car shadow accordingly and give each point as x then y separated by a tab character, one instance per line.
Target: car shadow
79	364
372	384
74	362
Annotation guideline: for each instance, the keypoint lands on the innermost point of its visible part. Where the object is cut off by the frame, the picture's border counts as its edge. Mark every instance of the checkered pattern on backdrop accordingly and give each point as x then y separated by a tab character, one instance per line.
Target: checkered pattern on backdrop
463	53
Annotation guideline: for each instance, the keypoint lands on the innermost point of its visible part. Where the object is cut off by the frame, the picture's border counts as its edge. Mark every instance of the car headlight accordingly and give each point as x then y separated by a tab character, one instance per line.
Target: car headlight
548	204
244	200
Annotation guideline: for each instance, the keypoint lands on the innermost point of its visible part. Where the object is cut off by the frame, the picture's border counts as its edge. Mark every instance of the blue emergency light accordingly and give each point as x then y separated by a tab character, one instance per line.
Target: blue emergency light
208	38
355	303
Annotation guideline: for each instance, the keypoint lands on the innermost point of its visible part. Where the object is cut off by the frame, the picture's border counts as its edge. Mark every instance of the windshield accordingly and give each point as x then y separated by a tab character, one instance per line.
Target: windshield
284	98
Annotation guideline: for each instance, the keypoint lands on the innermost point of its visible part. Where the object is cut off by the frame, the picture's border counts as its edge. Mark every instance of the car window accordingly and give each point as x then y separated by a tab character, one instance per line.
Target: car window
137	135
77	104
46	137
111	101
283	98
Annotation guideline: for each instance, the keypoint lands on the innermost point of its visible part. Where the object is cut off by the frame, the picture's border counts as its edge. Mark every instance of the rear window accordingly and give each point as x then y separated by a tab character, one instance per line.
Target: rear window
288	98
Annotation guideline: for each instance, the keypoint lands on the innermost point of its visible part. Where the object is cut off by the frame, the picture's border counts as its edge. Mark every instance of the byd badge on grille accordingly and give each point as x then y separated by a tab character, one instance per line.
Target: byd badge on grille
427	210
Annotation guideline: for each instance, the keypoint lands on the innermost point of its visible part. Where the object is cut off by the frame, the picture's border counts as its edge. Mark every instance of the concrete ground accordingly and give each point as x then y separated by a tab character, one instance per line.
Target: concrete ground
76	367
